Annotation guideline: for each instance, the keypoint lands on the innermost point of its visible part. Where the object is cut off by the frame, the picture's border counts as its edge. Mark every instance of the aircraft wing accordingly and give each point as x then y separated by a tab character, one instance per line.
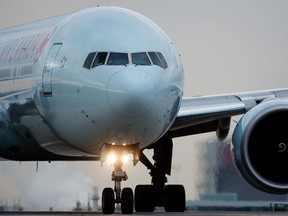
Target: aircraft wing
202	114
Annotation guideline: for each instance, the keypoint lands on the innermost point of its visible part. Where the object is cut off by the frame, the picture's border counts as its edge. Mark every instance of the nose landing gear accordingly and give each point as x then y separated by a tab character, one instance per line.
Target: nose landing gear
123	196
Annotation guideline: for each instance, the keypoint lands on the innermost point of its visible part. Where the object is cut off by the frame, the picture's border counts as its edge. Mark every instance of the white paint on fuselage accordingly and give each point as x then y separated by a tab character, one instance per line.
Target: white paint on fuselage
107	104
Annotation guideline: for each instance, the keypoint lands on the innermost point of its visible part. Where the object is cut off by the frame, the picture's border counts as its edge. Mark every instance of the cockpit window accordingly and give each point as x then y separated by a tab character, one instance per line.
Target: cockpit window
95	59
100	59
164	63
155	59
118	59
140	59
89	60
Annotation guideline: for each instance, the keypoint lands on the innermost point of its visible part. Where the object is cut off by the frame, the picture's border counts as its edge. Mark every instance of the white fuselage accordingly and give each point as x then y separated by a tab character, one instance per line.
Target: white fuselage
80	107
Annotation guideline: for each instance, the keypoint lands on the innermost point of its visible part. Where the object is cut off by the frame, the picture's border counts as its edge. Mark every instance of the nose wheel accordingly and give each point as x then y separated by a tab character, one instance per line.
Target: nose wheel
127	201
109	201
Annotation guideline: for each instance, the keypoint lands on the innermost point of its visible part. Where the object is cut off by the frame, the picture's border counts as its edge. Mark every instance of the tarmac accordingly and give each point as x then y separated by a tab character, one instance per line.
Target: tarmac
192	213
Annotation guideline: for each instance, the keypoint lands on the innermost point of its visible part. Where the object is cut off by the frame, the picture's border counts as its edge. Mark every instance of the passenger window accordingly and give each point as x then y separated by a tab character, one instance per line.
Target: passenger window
118	59
140	59
164	63
89	60
155	59
100	59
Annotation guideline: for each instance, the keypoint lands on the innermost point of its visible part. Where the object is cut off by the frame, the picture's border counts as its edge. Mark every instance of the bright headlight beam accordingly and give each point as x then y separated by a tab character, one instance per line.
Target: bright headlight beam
111	158
125	158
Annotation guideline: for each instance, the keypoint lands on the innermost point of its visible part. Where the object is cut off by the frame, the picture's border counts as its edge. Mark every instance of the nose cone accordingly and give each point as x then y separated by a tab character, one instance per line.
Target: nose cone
131	93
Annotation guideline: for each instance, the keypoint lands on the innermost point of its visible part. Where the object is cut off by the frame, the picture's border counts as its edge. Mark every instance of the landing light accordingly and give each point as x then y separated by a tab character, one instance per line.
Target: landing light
113	158
125	158
118	154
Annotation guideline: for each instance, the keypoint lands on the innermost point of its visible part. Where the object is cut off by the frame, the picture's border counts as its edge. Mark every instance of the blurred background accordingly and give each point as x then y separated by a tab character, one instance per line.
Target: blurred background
225	45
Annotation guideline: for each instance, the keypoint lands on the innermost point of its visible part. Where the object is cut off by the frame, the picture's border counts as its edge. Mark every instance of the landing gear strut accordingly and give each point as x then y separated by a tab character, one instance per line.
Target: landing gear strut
171	197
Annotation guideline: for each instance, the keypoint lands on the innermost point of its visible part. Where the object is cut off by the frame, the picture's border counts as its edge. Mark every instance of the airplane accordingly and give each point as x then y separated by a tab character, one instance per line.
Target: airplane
106	82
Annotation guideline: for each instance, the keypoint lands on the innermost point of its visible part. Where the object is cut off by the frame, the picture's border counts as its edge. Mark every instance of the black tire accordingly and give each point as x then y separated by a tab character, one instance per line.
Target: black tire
127	201
144	198
108	201
175	200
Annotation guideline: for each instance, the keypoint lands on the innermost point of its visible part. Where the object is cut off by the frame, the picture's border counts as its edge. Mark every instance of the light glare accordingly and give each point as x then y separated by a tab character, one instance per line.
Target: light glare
111	158
125	158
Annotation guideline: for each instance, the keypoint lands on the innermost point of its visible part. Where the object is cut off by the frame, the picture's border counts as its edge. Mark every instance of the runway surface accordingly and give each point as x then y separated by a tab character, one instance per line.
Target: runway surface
145	214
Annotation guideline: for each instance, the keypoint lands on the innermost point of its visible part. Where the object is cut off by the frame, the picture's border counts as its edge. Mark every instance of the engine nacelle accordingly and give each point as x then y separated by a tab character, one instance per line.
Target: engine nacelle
260	146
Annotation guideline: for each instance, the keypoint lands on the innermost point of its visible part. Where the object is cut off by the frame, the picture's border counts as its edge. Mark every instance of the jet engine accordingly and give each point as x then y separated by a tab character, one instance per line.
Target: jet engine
260	146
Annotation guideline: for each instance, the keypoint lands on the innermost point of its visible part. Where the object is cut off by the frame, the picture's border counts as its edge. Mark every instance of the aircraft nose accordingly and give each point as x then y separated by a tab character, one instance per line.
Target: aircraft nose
131	93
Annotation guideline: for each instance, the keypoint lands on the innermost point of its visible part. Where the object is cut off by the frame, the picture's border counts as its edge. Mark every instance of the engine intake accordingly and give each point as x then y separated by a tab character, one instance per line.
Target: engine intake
260	146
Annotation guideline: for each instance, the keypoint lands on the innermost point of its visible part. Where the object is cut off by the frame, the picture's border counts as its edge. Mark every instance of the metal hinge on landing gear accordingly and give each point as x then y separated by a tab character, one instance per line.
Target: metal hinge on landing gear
119	176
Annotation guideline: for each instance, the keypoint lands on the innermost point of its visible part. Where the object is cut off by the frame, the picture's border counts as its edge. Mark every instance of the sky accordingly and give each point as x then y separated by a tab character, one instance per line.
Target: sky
225	46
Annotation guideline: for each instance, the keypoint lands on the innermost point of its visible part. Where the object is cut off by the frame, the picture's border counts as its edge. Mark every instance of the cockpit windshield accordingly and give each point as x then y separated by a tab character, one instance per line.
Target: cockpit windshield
155	59
95	59
140	59
118	59
100	59
89	60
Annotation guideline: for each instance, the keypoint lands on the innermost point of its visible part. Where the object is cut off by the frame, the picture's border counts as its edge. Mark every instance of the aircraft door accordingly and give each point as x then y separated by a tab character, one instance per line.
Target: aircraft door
50	65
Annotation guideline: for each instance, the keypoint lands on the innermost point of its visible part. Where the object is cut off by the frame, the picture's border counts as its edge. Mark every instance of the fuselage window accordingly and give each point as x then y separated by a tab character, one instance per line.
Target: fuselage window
164	63
89	60
140	59
100	59
155	59
118	59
